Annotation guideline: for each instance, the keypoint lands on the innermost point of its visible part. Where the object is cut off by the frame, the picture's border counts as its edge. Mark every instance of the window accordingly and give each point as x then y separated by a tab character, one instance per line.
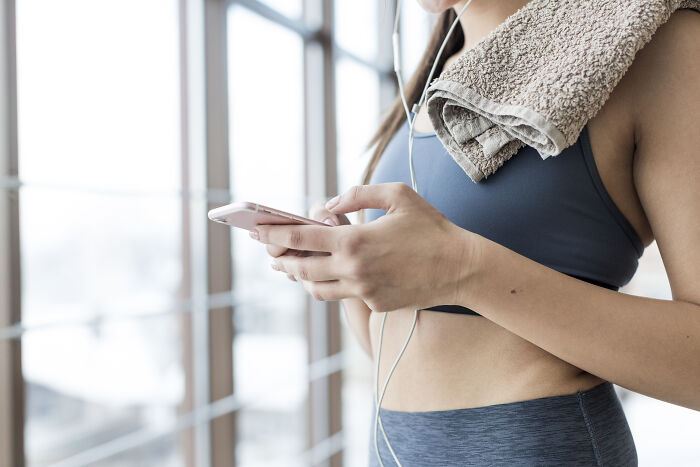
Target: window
133	118
98	154
266	108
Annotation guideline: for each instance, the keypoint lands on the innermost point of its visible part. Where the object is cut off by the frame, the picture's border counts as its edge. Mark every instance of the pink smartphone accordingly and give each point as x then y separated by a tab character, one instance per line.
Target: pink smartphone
247	215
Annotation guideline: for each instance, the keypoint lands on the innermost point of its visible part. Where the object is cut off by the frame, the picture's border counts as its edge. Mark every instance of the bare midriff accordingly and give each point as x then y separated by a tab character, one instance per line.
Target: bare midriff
460	361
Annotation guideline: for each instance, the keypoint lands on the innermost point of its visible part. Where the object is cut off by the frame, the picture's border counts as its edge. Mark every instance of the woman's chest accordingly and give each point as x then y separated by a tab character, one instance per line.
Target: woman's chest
576	212
611	136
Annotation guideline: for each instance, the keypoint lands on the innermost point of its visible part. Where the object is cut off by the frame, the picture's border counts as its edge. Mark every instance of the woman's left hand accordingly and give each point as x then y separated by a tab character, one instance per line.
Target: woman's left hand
413	256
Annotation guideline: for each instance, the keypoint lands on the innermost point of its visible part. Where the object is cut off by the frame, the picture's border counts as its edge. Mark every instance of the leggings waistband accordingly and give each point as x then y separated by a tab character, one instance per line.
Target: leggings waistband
584	428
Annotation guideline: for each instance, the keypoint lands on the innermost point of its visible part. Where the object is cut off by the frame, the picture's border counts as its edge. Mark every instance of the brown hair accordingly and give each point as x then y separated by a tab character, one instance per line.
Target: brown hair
396	115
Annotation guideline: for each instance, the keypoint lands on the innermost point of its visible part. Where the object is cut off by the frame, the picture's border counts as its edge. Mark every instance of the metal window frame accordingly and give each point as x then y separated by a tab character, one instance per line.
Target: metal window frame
187	127
11	380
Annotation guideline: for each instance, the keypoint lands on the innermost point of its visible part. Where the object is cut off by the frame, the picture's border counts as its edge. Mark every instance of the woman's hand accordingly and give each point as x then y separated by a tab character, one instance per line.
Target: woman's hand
411	257
318	212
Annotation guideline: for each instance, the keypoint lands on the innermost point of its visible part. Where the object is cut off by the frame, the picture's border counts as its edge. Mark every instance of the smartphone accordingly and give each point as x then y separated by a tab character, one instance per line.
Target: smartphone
246	215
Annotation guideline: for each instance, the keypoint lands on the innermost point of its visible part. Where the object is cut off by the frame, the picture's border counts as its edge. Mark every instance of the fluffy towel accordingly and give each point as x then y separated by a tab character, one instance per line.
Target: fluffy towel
539	77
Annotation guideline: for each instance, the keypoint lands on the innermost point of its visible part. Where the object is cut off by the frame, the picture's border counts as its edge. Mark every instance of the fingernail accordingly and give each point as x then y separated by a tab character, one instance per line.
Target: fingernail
330	221
332	202
254	234
274	266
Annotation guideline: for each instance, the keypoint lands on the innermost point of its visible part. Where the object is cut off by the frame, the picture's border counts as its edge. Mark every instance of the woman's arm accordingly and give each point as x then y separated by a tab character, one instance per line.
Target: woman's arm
648	345
357	315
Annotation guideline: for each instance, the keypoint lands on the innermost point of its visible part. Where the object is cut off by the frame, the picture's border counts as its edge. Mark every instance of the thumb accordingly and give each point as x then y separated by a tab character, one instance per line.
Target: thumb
379	196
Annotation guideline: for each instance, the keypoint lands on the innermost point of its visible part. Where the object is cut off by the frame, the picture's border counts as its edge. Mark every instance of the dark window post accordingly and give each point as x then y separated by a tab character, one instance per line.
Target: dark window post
11	381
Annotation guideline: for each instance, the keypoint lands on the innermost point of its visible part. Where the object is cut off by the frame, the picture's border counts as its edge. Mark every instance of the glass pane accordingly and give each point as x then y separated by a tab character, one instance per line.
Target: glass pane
416	25
356	26
271	378
357	400
266	109
357	94
81	257
108	117
89	385
100	223
266	104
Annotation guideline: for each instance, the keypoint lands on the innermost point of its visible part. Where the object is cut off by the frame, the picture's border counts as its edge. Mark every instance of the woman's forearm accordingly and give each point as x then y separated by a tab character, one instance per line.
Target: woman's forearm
648	345
357	315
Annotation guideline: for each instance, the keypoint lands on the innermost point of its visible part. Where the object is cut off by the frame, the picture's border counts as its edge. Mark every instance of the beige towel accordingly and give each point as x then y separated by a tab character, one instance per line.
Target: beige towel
539	77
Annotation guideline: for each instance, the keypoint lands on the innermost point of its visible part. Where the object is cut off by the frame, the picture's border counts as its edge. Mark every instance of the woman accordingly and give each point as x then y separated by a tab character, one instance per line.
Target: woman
514	362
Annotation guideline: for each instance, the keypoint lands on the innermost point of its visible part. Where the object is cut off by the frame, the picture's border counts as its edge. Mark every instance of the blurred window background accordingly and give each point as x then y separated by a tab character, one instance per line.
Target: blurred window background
135	332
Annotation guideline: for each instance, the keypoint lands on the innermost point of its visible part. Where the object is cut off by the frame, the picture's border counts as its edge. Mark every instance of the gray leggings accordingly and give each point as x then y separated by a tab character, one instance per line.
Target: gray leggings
583	428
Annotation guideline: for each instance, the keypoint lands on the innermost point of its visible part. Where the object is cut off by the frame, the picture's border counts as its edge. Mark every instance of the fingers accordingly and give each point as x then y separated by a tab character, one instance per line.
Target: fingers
280	238
319	213
321	290
379	196
299	237
297	253
309	268
276	250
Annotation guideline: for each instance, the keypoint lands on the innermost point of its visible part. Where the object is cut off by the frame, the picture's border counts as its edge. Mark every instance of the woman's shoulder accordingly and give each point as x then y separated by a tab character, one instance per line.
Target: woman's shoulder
648	114
664	74
675	43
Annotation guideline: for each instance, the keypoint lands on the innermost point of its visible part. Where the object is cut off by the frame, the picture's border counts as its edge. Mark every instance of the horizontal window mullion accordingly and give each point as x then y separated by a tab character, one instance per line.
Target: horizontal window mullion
276	17
380	70
221	300
210	195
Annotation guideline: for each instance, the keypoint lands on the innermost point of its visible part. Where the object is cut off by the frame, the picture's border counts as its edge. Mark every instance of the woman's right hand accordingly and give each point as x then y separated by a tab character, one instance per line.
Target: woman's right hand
356	311
318	212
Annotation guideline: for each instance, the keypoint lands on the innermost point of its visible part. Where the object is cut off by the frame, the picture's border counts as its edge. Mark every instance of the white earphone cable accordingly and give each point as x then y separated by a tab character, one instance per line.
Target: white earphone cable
378	401
410	116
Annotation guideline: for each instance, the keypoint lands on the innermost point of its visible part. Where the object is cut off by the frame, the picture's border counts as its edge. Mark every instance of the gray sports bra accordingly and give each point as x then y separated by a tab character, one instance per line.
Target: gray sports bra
554	211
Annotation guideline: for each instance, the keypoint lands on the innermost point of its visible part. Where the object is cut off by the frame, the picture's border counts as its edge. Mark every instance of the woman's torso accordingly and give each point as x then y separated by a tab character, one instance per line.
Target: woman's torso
459	361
